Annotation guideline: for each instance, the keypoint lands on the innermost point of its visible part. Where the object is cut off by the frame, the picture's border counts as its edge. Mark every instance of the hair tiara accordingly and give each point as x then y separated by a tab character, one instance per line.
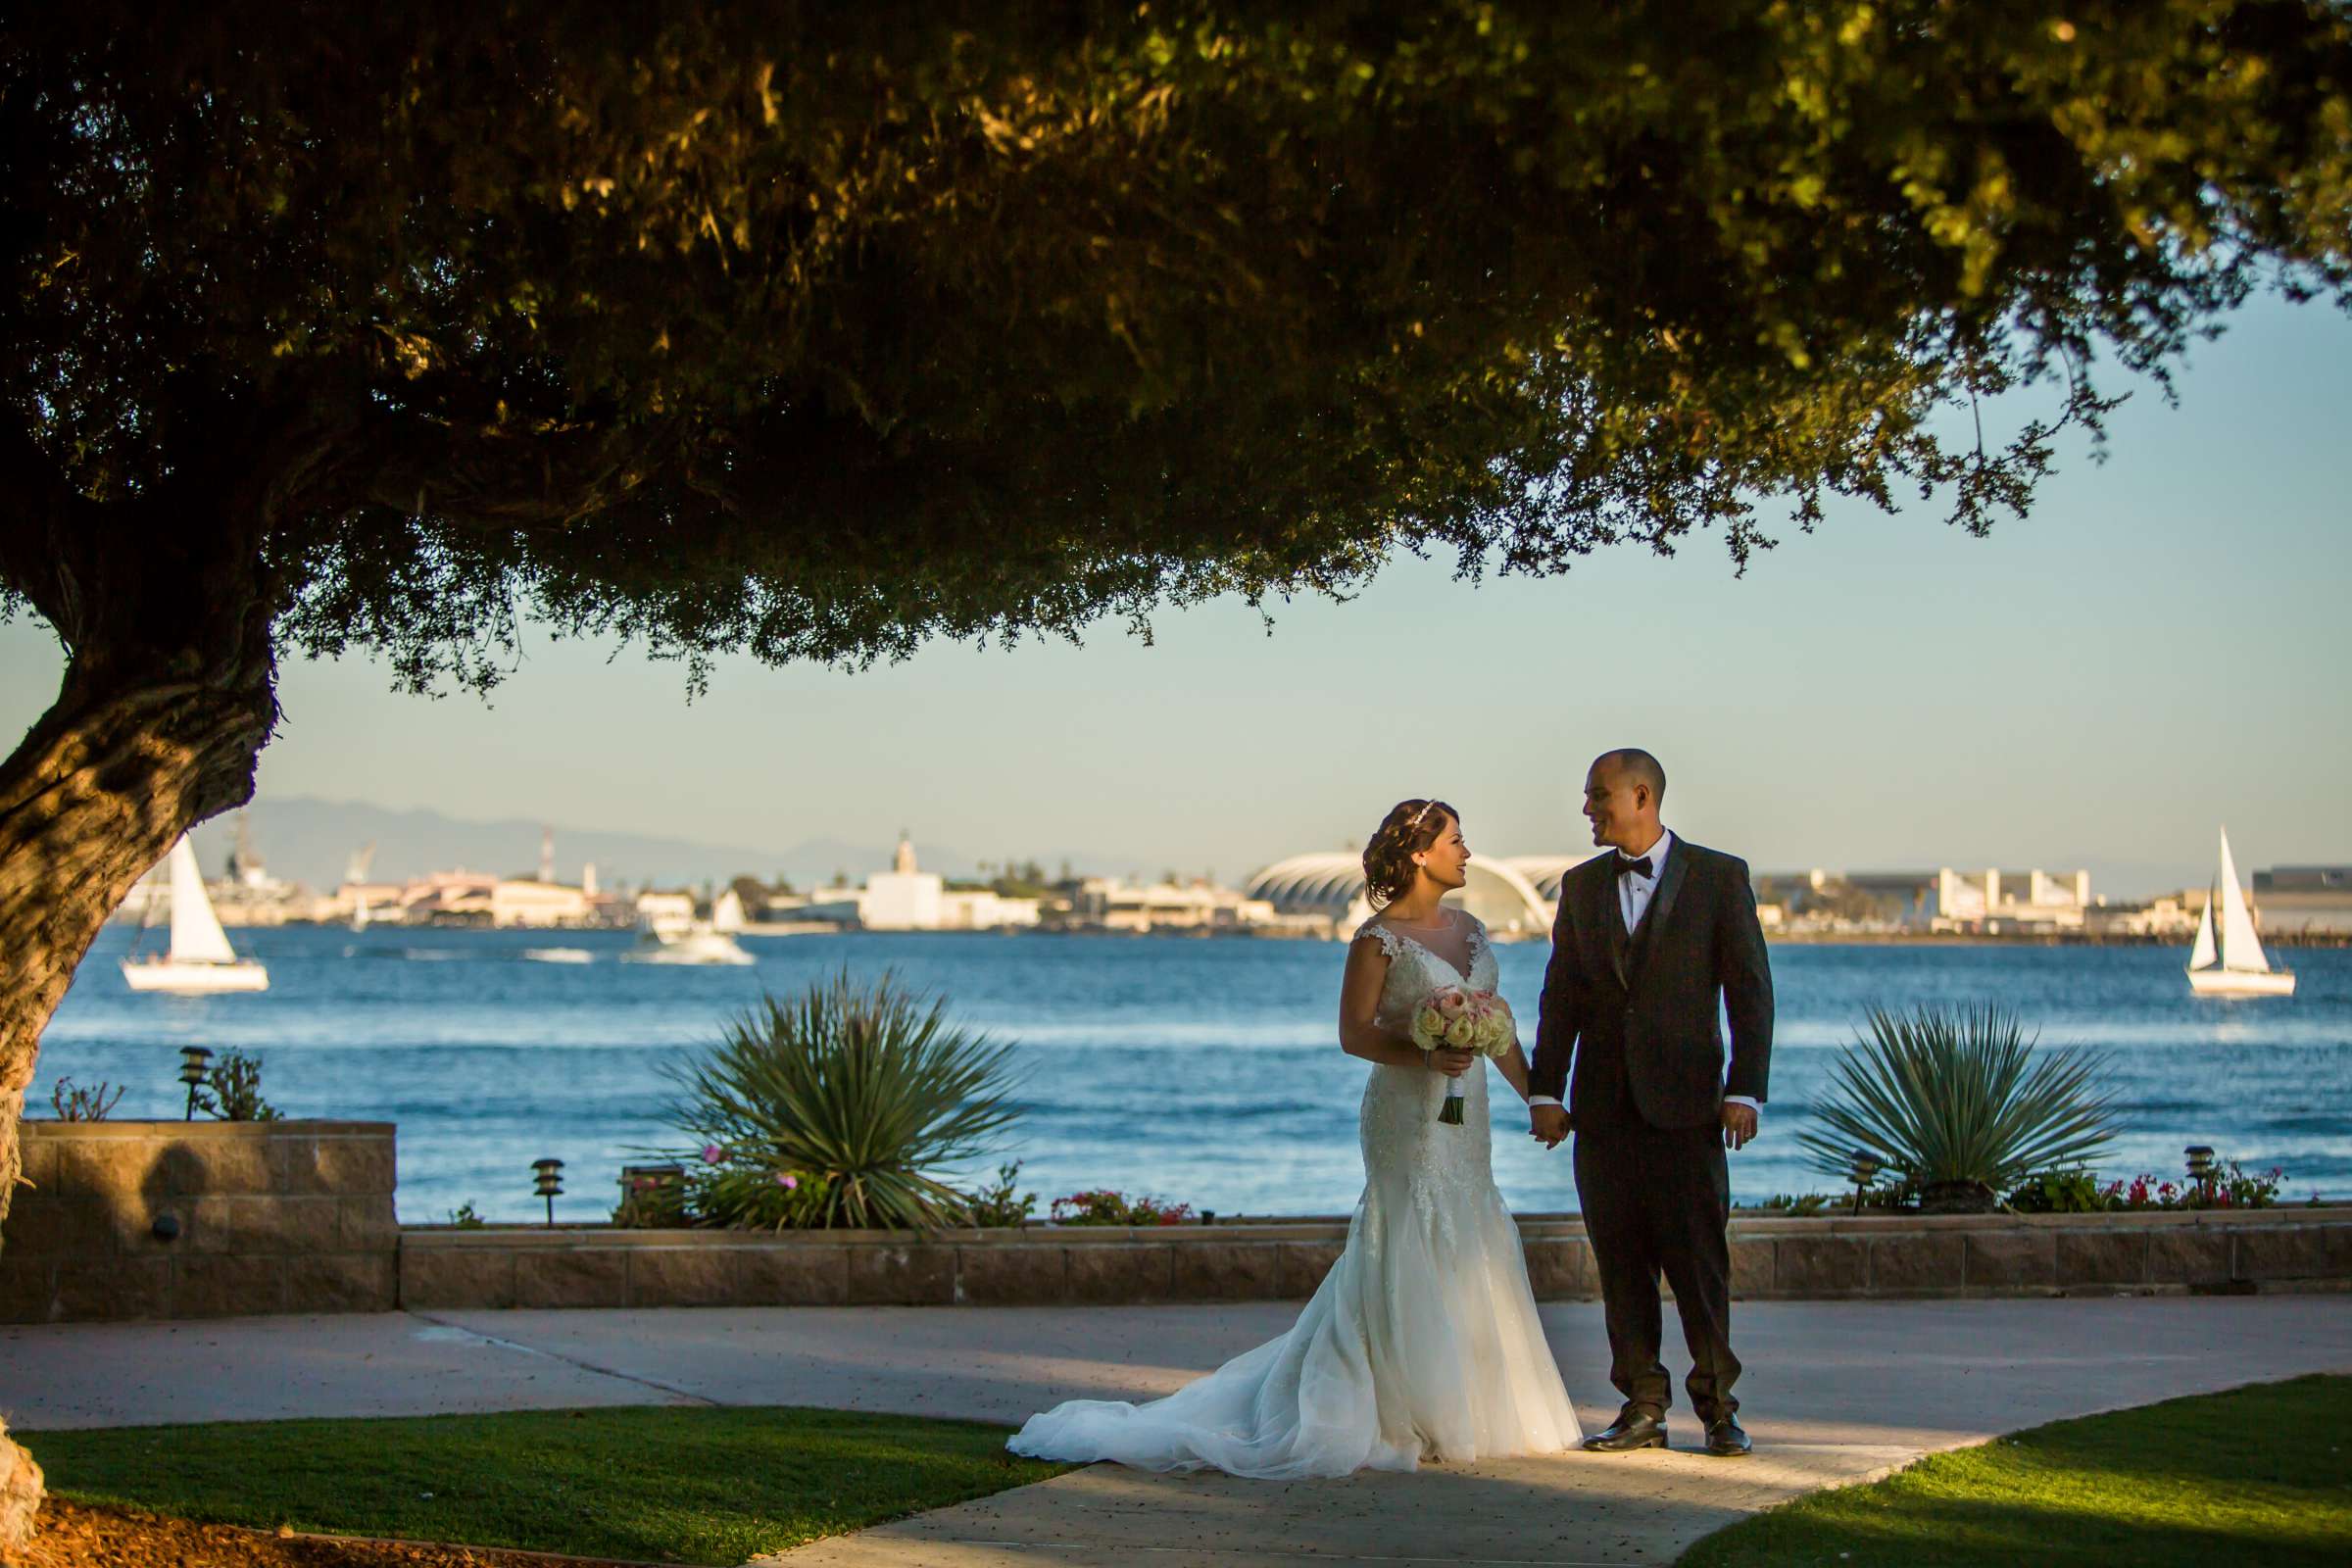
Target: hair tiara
1419	816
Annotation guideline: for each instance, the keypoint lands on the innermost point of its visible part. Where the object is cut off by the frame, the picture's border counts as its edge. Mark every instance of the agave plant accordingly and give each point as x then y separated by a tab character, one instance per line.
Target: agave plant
847	1096
1956	1101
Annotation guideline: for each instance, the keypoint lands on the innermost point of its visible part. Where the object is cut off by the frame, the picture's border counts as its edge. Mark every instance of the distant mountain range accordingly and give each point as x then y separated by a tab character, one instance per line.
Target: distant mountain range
304	838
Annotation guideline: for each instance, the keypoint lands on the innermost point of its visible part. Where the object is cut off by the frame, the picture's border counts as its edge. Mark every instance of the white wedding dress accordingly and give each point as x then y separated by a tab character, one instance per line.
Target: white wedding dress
1422	1341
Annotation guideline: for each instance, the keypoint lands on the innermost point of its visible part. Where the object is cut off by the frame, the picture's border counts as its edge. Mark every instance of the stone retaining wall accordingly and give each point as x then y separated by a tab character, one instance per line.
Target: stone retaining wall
206	1219
283	1216
440	1269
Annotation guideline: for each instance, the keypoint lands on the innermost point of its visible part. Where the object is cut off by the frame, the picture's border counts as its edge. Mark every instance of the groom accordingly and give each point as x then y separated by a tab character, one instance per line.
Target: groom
1647	937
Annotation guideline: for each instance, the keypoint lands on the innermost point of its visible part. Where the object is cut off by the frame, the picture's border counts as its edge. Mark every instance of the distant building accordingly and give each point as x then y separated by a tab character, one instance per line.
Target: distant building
665	913
518	902
458	895
904	898
907	898
2304	900
2173	916
983	909
380	900
1544	871
1325	894
1108	903
1994	902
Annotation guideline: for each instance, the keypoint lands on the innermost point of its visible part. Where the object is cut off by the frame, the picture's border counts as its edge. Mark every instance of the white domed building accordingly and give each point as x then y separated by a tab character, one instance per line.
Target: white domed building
1329	887
1543	871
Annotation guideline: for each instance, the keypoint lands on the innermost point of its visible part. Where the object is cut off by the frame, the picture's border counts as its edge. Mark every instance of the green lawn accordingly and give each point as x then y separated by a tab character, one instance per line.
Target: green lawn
669	1484
2258	1475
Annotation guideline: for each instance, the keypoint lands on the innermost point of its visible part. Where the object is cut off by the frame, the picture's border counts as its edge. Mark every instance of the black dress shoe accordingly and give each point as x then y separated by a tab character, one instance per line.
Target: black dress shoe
1630	1431
1725	1441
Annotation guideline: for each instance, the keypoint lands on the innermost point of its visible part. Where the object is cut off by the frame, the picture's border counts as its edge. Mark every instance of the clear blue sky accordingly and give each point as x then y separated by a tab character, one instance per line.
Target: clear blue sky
2160	647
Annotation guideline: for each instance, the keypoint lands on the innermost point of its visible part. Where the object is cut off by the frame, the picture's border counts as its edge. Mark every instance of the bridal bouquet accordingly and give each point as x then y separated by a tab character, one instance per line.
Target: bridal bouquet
1456	1018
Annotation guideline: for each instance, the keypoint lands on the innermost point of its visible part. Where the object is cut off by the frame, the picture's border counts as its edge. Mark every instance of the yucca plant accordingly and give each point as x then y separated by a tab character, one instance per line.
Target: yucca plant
1958	1104
846	1095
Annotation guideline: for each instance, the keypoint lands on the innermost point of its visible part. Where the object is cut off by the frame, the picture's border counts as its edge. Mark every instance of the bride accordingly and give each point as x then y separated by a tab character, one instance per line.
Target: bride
1423	1340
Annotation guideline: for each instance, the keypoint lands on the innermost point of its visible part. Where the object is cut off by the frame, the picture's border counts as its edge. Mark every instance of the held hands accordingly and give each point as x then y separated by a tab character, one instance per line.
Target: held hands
1739	1124
1547	1124
1452	1063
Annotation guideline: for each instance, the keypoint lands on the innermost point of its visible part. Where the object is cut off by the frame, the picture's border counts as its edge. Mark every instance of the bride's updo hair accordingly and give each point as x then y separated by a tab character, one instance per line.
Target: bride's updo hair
1410	827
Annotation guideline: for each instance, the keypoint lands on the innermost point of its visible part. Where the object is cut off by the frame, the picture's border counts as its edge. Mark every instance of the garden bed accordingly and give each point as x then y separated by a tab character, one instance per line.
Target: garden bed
76	1537
1830	1256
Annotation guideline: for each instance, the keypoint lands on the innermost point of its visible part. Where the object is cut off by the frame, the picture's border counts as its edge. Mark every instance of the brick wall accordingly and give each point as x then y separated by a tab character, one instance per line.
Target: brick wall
288	1216
2291	1249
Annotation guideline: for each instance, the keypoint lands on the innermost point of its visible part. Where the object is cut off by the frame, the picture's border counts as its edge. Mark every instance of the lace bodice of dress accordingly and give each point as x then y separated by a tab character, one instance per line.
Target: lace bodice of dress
1410	1155
1415	970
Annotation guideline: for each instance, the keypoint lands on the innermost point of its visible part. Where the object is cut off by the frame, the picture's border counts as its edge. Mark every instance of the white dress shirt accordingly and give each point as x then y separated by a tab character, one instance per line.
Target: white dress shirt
1633	891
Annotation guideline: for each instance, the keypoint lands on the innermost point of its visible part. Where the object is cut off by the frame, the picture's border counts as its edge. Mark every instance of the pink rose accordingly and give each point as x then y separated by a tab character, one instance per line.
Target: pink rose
1452	1002
711	1154
788	1182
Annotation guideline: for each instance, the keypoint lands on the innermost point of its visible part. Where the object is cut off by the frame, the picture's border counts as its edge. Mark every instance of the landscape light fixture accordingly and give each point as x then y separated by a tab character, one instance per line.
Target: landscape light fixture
2201	1166
548	1182
1862	1172
193	1060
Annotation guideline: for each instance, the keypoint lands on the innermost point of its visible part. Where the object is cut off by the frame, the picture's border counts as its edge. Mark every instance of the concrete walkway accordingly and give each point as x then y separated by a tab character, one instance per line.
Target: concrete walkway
1835	1393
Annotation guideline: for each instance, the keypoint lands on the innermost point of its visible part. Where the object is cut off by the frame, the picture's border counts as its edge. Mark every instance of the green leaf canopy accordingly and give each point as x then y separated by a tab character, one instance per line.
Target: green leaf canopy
817	330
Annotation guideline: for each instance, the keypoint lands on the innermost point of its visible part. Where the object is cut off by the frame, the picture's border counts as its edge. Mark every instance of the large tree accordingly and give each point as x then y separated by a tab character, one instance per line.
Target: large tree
817	331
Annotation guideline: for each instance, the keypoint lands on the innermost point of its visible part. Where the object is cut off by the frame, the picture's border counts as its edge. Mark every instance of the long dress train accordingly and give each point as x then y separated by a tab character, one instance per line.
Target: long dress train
1422	1341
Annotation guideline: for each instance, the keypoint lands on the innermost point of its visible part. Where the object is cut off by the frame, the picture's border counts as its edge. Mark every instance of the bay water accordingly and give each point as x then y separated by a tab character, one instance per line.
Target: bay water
1205	1072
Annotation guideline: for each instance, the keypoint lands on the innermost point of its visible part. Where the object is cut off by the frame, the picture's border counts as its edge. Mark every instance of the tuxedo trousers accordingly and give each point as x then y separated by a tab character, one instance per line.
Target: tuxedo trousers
1657	1199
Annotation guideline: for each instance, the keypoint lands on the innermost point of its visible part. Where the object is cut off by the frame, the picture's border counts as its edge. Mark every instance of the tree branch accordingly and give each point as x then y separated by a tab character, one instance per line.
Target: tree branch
40	527
489	477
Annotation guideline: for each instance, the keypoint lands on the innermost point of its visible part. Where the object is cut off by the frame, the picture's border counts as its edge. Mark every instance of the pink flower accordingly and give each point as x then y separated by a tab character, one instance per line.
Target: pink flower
788	1182
711	1154
1452	1002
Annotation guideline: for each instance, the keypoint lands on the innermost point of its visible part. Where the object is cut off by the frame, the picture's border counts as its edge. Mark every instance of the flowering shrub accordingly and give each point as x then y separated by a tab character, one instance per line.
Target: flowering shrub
746	1189
1103	1206
2077	1191
1001	1204
652	1195
1805	1206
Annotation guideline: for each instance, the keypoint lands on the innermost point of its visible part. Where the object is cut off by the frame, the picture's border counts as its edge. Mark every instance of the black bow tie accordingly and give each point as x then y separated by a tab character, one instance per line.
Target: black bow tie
1632	865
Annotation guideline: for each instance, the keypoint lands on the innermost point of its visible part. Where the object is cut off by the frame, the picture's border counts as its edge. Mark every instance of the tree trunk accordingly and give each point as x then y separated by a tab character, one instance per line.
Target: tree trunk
167	702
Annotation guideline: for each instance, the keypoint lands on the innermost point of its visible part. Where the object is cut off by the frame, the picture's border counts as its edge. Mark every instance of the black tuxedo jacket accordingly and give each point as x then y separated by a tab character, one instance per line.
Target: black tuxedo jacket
1629	1025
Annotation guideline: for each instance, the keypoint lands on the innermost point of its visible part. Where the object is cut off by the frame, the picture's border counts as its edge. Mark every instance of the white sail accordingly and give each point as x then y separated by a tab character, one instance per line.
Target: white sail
196	934
726	914
2204	956
2241	948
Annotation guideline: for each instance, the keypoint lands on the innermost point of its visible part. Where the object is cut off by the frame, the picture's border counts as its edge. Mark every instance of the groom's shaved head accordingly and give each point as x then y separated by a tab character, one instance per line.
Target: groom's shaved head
1638	768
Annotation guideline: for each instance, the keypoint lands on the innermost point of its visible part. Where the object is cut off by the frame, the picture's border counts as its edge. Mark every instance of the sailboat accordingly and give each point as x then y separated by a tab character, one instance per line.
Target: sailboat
694	943
199	958
2234	966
